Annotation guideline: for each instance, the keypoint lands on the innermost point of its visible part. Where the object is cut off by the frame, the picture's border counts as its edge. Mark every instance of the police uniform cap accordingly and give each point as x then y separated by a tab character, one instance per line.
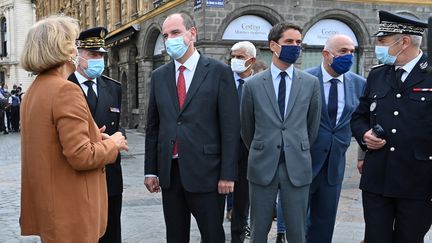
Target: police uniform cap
391	24
93	39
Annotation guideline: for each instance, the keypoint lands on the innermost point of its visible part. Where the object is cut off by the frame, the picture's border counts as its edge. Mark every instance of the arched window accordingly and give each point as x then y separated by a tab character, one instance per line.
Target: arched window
3	37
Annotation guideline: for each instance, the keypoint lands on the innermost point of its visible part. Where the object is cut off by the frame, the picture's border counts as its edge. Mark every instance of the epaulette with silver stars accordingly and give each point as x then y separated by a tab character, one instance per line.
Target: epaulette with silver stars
115	81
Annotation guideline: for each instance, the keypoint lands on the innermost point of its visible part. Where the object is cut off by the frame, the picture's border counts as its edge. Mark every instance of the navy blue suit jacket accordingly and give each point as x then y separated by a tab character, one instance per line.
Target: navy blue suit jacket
403	167
206	127
334	141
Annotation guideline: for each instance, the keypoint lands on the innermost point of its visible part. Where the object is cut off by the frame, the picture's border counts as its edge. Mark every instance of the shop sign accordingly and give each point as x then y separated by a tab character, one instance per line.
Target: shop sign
318	34
248	27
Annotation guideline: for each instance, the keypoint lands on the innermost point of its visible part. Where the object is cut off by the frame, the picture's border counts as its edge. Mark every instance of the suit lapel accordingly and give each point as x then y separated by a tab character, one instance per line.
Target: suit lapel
200	74
170	82
269	88
391	78
73	78
324	114
295	89
101	102
349	99
417	74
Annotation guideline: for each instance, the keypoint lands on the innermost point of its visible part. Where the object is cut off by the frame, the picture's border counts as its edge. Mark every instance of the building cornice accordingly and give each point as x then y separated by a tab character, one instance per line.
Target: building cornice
410	2
155	12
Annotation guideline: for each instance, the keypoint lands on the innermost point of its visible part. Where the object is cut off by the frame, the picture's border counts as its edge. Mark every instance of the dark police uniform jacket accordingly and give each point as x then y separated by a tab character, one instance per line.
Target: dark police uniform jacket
403	167
108	113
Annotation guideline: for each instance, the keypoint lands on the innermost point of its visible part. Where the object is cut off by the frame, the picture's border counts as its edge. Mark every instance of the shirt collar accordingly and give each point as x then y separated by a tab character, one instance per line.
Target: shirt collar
410	66
326	77
190	63
275	71
81	79
237	77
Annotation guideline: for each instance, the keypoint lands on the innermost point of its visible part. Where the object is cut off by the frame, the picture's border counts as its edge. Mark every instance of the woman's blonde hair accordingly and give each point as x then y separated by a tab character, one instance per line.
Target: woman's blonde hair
50	43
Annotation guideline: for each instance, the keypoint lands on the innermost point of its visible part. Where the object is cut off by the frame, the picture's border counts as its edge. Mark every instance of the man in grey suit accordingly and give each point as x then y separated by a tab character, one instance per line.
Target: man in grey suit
340	92
280	115
192	135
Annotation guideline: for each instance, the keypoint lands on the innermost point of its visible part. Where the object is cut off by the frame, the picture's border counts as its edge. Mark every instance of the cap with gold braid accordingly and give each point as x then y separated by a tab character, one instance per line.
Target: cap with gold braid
93	39
391	24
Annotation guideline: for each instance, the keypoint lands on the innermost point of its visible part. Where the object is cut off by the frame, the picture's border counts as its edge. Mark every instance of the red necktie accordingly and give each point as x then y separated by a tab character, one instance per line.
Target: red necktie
181	94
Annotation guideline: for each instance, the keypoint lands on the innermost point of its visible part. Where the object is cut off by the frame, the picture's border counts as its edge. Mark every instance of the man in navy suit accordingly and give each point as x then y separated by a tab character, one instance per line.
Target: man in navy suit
340	92
243	56
192	135
104	96
396	180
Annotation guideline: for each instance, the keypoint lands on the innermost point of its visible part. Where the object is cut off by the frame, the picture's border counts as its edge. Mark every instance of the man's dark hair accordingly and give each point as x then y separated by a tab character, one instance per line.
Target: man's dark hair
277	30
187	21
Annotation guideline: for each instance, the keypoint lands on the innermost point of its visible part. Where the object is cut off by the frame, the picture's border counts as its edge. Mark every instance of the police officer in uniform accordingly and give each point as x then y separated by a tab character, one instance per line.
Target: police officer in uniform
104	97
393	123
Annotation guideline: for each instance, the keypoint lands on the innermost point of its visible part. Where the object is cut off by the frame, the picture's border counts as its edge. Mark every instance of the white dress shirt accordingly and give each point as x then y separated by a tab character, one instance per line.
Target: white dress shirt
340	88
81	79
237	77
190	65
275	72
409	66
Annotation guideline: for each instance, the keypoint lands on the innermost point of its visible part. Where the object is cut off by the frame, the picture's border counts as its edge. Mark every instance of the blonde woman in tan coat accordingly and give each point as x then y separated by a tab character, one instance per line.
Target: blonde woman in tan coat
63	194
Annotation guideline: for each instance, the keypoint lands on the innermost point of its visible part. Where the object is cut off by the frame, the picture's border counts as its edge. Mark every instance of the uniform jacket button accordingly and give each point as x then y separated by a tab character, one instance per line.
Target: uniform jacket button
396	113
392	149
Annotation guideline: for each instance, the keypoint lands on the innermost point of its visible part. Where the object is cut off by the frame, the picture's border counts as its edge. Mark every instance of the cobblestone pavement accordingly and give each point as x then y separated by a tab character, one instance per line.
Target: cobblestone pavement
142	216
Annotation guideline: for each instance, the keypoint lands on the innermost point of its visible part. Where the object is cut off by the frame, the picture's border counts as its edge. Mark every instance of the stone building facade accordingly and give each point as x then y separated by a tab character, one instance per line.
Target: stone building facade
136	46
16	18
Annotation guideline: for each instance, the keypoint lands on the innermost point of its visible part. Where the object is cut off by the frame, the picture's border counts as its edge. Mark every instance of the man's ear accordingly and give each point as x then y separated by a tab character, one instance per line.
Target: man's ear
407	41
273	46
193	31
252	60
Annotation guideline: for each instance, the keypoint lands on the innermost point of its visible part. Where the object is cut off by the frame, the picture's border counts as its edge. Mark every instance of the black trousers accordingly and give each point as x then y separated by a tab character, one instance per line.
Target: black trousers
15	119
113	231
240	211
179	204
395	220
2	121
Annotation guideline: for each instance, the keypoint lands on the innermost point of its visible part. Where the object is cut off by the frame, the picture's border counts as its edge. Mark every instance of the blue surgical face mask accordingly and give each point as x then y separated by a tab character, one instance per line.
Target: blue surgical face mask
95	67
383	56
342	64
176	47
289	53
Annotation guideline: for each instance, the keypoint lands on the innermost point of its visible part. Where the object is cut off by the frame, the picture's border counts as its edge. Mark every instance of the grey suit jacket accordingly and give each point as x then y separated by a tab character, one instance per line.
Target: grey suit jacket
263	128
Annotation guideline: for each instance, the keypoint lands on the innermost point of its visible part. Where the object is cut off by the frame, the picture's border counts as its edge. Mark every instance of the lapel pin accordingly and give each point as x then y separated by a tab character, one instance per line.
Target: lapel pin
423	65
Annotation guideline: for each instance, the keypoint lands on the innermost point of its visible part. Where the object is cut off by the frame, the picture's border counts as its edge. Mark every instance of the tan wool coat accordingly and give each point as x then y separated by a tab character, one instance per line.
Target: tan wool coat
63	194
